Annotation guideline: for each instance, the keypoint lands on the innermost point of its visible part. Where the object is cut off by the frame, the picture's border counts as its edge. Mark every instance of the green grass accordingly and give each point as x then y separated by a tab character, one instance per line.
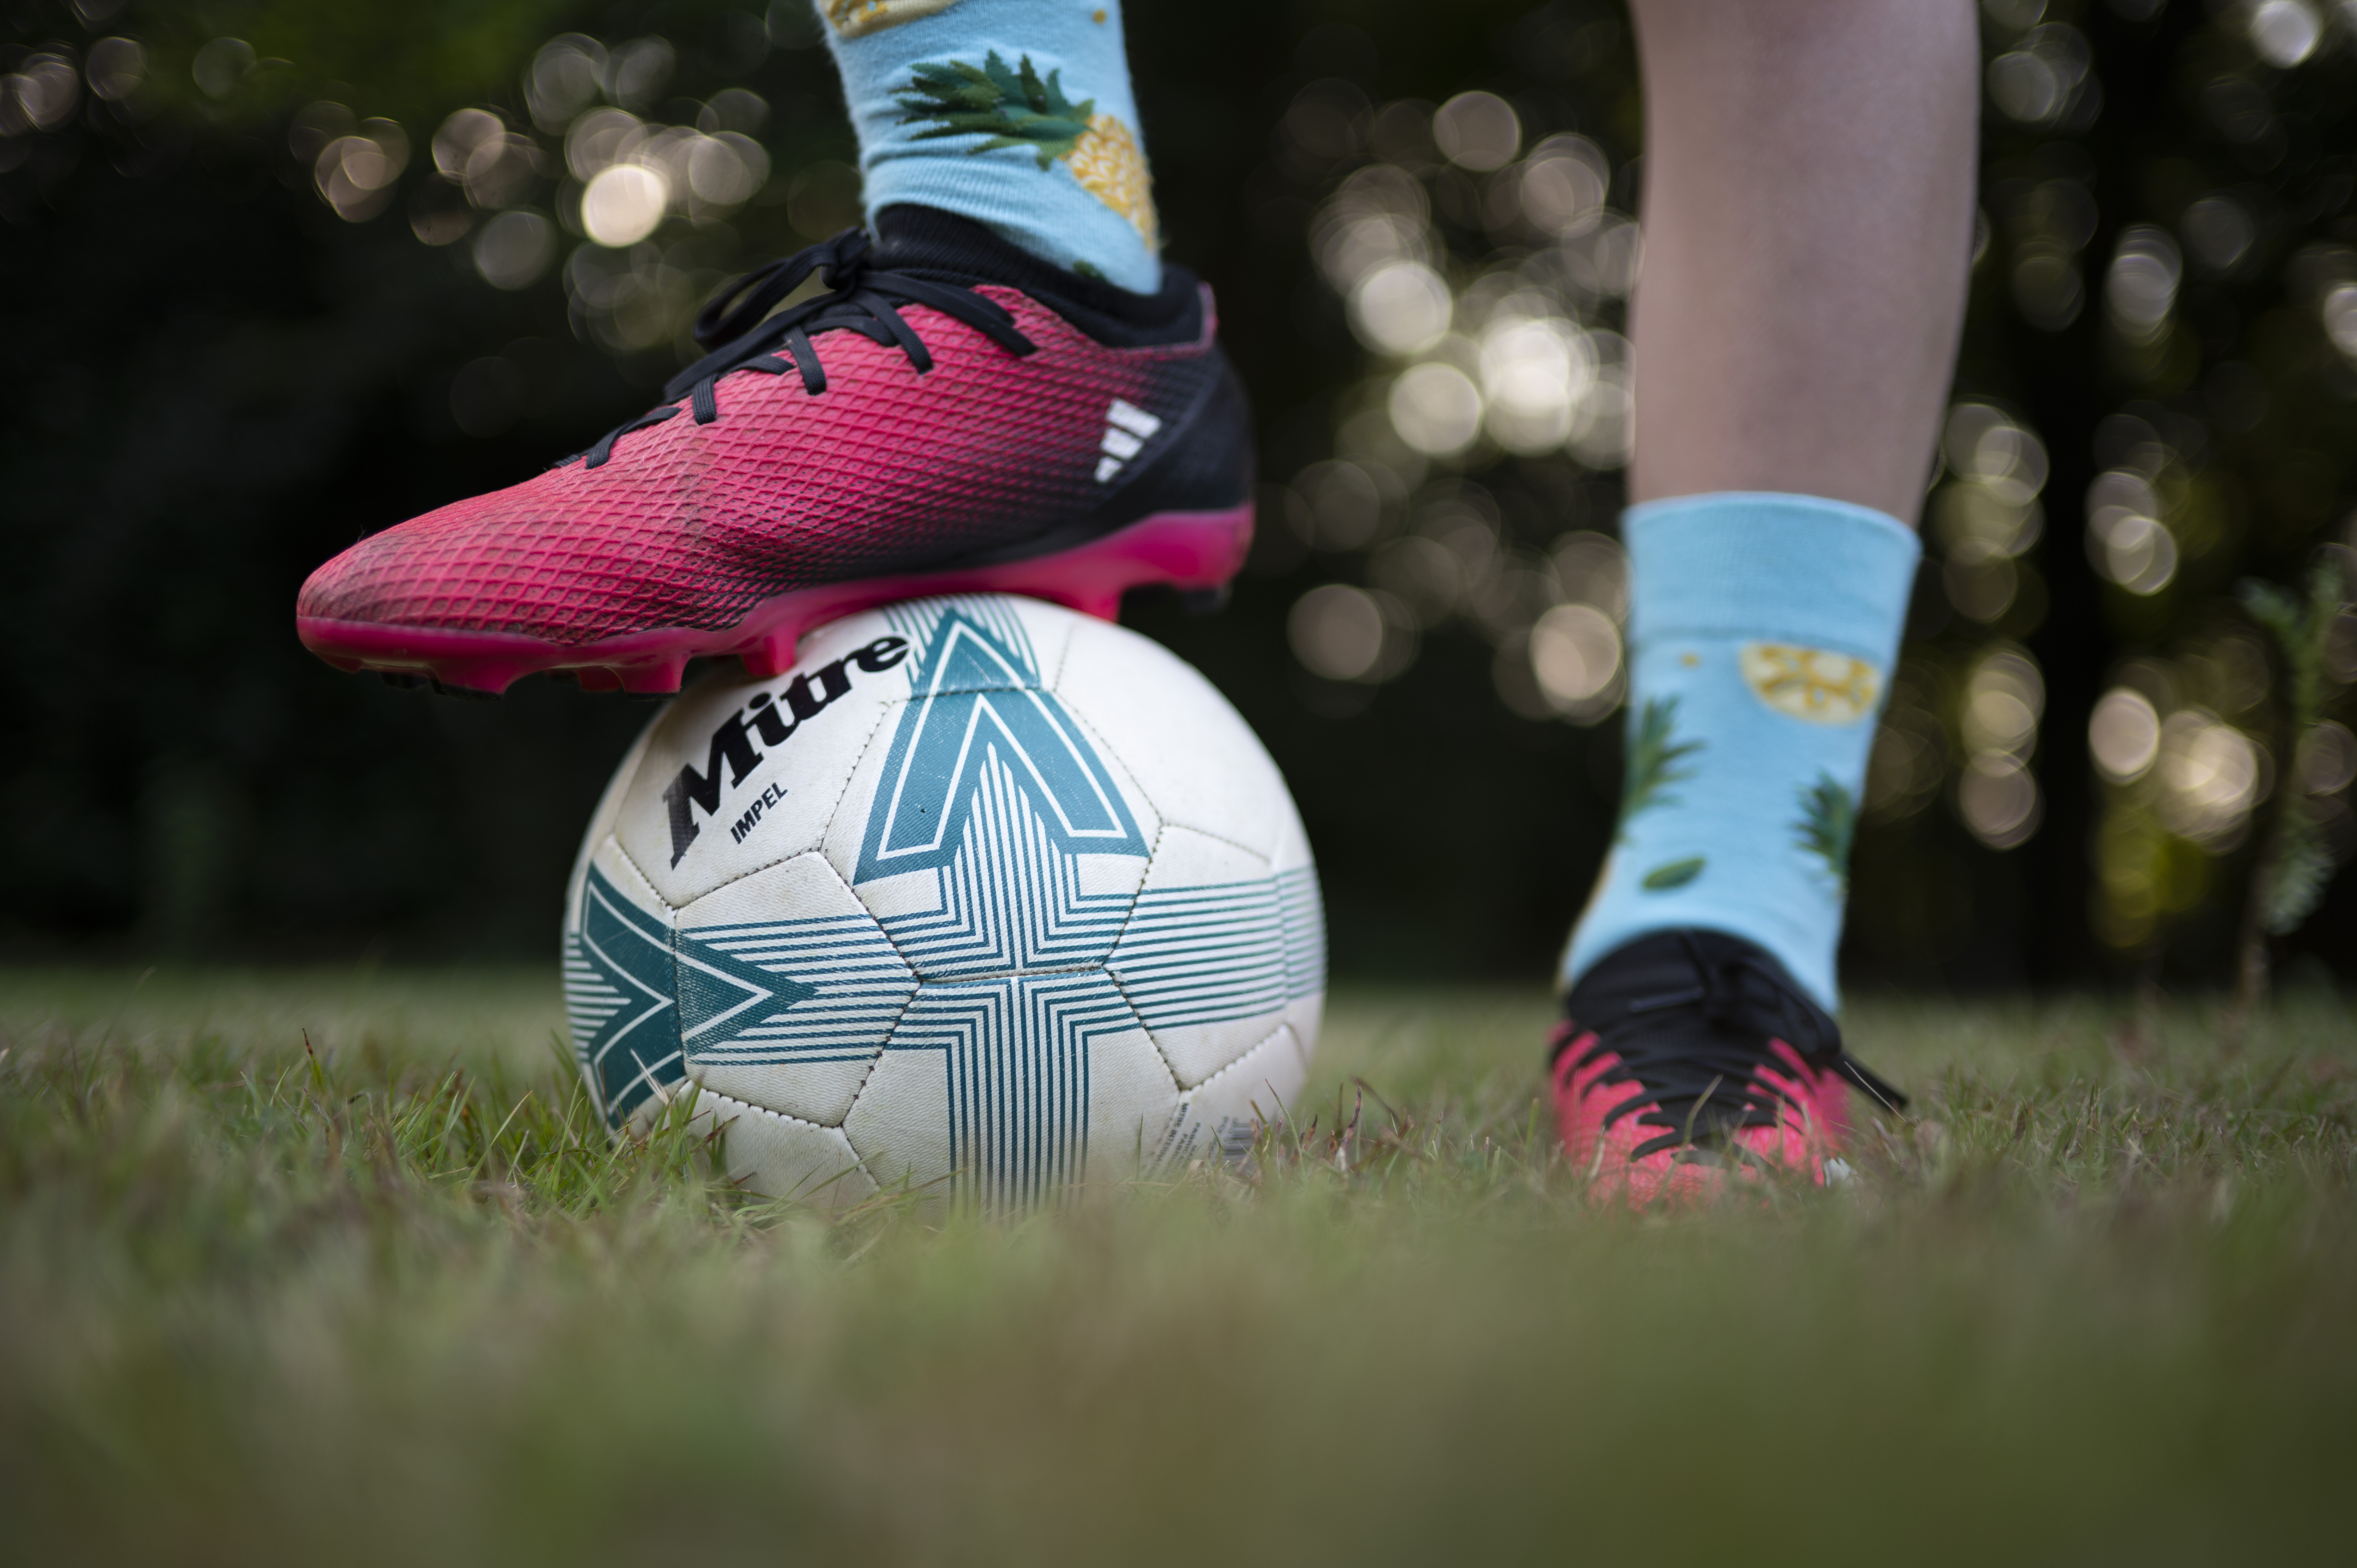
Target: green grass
395	1299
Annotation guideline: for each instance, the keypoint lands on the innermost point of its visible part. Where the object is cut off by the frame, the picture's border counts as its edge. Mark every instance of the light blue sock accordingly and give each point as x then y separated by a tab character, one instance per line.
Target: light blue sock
1762	631
1015	114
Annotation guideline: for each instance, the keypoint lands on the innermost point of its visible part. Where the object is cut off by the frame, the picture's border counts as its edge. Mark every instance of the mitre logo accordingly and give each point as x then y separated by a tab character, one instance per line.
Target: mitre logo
731	745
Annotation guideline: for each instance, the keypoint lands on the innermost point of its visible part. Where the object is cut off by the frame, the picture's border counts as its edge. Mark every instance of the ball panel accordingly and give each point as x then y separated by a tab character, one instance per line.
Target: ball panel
1303	1016
1203	959
1013	899
994	1095
621	984
985	828
980	727
1030	635
1305	930
805	1055
602	821
1219	1117
1192	755
783	1156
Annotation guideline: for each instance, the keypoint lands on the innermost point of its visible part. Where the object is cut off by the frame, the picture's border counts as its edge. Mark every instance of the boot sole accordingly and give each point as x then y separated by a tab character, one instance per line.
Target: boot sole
1195	552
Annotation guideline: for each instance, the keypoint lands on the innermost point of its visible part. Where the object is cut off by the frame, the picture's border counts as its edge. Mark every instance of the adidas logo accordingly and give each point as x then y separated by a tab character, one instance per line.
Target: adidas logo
1127	429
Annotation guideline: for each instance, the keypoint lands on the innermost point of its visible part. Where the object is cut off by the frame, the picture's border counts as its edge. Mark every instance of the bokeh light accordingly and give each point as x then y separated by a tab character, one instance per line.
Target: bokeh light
637	71
2219	232
2126	541
41	95
514	249
1478	131
1592	569
1989	515
1998	800
2042	79
115	68
221	66
1400	308
1563	184
2140	290
355	174
564	80
1342	633
1436	408
2004	698
1984	445
2124	734
1576	654
2285	32
2340	314
1336	631
1535	374
2328	759
2211	777
1911	747
624	204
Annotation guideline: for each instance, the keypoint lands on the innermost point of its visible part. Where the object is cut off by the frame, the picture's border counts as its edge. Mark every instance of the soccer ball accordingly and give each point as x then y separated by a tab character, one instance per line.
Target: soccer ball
985	901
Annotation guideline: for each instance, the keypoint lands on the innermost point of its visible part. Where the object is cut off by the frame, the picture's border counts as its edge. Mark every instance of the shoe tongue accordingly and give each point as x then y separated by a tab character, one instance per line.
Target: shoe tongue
943	247
1704	983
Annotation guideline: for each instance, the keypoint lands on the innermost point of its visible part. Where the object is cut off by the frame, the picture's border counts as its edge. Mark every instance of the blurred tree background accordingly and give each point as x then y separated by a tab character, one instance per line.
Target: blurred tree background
278	274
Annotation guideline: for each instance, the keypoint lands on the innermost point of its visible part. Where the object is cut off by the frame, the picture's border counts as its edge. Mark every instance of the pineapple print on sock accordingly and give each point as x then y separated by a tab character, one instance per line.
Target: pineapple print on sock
1762	630
1657	759
1016	114
1016	108
1825	828
1655	762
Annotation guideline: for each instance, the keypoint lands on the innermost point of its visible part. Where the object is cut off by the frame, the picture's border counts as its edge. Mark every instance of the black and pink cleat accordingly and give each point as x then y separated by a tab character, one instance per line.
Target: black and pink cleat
952	415
1691	1057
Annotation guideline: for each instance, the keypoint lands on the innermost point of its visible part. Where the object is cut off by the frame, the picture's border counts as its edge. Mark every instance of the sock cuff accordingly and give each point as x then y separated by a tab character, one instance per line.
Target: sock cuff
930	242
1785	568
948	97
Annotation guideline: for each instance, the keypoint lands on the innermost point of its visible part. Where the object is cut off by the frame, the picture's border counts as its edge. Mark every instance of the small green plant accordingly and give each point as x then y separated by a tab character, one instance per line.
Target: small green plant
2294	863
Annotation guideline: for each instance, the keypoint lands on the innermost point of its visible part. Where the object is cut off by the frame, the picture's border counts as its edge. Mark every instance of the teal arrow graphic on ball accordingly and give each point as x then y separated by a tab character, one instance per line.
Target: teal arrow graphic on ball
675	993
975	699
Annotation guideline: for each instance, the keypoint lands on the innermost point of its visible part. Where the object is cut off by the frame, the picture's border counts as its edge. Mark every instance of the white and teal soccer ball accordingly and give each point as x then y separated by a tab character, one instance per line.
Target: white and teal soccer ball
987	900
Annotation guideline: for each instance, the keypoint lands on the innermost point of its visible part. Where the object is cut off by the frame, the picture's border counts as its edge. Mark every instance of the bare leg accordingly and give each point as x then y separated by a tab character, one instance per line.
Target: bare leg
1808	211
1808	205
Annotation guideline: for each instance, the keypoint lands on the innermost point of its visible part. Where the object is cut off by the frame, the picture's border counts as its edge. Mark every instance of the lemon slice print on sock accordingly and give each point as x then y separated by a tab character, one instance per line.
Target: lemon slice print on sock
1013	107
857	18
1810	682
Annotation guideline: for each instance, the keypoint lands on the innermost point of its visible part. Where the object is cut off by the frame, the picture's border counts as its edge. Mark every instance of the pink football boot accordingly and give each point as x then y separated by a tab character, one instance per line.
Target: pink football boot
952	415
1690	1054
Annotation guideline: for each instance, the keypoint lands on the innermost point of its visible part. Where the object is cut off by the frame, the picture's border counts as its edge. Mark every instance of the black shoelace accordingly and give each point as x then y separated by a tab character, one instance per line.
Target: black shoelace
741	334
1697	1050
